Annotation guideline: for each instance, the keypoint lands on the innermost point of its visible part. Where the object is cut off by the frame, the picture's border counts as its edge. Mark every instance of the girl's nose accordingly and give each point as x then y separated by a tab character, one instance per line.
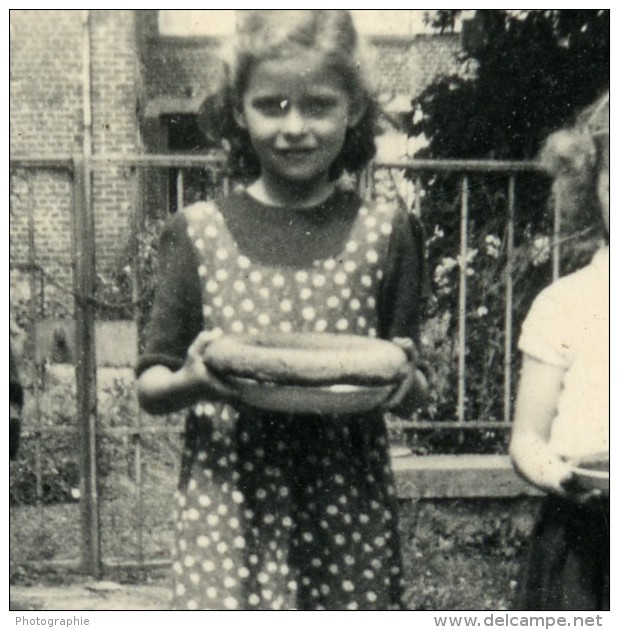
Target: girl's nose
294	122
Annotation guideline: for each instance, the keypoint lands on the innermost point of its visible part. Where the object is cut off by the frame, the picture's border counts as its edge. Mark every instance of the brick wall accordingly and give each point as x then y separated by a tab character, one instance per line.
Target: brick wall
45	85
46	92
128	67
45	118
116	87
407	66
177	67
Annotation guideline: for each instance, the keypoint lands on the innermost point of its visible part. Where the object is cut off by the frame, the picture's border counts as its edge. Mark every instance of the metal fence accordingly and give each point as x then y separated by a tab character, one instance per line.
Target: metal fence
129	444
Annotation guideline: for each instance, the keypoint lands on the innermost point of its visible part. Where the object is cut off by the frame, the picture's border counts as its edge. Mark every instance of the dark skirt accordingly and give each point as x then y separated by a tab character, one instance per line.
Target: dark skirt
568	566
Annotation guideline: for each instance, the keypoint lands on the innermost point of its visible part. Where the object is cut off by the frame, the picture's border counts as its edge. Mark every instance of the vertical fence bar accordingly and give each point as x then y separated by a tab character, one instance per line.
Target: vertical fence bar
32	308
417	203
85	369
509	299
32	258
366	182
464	220
180	190
361	183
136	227
370	175
556	239
137	444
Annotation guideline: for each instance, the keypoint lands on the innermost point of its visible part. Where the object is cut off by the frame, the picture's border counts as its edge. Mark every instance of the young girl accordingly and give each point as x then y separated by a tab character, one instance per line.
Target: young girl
562	410
274	511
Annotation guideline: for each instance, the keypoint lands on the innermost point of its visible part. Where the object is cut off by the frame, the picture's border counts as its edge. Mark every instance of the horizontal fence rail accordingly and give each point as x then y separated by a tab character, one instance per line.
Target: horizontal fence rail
415	479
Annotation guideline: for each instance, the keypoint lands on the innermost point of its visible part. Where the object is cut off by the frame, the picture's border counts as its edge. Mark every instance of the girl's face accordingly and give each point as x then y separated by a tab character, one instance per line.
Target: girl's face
603	190
603	180
297	111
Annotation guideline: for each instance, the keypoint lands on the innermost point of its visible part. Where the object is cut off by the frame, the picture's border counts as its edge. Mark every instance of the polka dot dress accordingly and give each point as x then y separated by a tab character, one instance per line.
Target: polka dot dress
286	512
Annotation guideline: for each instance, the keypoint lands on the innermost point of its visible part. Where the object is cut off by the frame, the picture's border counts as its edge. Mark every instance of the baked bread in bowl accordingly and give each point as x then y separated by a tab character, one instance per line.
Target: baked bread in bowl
308	372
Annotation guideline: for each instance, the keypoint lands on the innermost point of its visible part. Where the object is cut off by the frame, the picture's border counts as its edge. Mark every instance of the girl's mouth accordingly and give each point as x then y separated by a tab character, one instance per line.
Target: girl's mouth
296	156
295	151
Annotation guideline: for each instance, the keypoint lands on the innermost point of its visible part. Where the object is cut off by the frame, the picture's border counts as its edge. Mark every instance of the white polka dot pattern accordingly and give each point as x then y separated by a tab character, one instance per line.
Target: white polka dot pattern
283	513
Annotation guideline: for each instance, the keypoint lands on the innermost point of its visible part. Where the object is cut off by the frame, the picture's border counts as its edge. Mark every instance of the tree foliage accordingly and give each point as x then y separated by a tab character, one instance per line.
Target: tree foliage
524	74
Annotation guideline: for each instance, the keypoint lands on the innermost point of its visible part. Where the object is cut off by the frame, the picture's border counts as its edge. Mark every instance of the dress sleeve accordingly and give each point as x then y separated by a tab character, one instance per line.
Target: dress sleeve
405	288
176	316
546	334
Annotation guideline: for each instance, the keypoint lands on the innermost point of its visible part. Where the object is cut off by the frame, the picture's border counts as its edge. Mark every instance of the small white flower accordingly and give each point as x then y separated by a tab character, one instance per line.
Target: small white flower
540	250
449	263
493	244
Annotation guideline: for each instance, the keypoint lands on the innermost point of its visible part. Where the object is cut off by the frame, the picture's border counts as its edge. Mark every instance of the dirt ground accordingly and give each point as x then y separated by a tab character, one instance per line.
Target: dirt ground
90	596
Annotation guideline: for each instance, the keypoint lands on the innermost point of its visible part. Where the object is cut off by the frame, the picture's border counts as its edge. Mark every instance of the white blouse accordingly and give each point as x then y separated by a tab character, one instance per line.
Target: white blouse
568	326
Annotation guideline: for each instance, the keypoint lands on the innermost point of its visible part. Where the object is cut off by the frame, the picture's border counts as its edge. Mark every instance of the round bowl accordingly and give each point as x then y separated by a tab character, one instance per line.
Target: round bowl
592	479
593	472
299	399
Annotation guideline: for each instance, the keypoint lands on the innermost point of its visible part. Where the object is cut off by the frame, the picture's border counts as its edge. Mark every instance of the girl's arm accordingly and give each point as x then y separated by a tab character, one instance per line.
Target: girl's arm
536	408
163	390
160	390
403	295
413	390
171	373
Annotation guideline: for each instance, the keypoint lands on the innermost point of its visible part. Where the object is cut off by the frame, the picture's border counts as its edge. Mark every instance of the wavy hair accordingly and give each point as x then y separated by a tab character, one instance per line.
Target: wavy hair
574	156
278	34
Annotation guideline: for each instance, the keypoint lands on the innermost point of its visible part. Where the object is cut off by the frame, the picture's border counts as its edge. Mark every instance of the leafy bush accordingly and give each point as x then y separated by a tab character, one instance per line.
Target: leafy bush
486	269
128	292
47	467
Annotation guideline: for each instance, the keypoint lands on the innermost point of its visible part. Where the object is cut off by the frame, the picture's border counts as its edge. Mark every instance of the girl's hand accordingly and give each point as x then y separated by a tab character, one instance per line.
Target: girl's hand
195	374
411	391
536	408
161	390
576	491
551	473
558	478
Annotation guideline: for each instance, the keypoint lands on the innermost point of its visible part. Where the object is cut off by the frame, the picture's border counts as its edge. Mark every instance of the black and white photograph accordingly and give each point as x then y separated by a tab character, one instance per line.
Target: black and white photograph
310	311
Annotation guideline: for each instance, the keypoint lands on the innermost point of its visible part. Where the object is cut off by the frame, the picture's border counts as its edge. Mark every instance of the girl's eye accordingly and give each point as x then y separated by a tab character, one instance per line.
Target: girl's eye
312	106
319	106
271	106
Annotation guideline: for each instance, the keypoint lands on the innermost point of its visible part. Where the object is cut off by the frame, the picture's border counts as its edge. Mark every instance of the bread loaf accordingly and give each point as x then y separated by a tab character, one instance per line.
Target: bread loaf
307	358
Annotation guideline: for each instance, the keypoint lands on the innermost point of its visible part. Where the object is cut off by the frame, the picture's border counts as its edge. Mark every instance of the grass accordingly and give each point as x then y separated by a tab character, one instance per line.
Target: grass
458	555
463	554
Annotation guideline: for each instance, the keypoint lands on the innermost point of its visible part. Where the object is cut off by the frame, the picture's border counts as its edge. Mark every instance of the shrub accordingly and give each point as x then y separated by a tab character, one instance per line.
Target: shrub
486	264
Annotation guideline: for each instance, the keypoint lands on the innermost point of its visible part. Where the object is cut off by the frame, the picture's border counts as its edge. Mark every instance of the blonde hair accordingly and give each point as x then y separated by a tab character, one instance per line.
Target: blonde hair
574	156
266	34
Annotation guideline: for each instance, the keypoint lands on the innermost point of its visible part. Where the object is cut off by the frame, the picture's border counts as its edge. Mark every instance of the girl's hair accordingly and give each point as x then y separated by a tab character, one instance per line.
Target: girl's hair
574	156
279	34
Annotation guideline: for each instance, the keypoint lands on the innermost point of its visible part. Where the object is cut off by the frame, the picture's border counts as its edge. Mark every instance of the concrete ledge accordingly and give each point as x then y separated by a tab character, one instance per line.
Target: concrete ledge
458	477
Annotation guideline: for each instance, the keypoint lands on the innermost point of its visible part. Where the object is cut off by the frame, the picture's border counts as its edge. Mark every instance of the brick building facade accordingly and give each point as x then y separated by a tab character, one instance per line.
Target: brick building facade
63	63
107	82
